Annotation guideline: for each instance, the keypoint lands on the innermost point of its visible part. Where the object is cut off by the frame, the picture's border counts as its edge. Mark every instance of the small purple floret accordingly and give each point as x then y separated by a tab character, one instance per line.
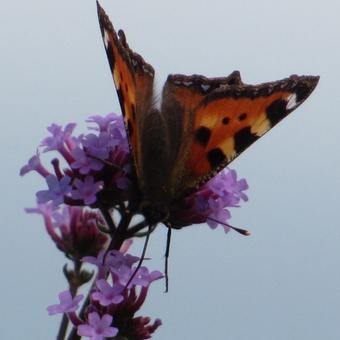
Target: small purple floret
85	163
107	294
98	328
57	190
86	190
103	122
67	303
144	277
34	164
58	138
97	146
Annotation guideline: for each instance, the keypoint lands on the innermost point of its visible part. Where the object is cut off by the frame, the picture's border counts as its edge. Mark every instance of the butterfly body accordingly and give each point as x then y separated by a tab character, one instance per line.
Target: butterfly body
200	126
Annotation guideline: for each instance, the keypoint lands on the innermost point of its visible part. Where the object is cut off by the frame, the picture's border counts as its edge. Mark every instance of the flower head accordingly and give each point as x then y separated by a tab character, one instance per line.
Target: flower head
73	229
211	203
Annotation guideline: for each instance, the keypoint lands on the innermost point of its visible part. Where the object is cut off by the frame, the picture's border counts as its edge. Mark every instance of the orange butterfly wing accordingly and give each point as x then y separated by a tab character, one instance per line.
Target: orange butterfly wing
228	121
133	79
181	96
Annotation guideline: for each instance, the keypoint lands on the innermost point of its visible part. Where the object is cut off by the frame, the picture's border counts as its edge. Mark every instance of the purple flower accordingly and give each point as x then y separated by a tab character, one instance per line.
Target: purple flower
86	190
107	294
74	230
210	203
103	122
57	190
97	146
45	209
67	303
98	328
226	185
97	261
116	259
122	275
58	138
118	135
217	214
34	164
84	163
144	277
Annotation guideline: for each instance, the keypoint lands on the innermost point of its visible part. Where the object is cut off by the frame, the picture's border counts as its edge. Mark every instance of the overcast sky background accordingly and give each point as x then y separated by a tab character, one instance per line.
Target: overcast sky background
283	282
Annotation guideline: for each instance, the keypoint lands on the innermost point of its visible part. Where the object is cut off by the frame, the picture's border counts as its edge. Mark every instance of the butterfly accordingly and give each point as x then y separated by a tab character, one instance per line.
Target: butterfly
199	126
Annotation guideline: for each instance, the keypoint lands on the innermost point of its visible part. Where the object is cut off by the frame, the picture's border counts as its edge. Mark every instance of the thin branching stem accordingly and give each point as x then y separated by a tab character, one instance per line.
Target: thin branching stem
118	236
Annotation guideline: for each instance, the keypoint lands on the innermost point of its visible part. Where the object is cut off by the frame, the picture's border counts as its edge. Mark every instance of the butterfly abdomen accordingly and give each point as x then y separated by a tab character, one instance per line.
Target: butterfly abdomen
153	165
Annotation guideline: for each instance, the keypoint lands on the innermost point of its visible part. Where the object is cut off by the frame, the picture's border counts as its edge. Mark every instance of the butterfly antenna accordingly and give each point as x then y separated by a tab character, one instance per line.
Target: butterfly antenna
105	162
241	231
167	252
141	260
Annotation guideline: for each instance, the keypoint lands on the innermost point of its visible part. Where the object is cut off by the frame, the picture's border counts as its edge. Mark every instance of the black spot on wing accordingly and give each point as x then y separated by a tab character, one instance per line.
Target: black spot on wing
242	116
243	139
202	135
121	101
225	120
216	157
276	111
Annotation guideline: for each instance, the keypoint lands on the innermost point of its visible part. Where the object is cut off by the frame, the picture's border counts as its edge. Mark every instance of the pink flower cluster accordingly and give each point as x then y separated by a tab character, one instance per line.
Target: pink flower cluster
114	300
96	162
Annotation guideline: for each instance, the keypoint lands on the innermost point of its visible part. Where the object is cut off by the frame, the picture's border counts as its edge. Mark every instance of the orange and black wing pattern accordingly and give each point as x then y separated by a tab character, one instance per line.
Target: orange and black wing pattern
229	119
180	99
133	78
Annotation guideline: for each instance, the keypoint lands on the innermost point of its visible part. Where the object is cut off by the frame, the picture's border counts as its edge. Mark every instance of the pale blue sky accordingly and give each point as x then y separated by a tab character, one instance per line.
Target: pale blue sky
281	283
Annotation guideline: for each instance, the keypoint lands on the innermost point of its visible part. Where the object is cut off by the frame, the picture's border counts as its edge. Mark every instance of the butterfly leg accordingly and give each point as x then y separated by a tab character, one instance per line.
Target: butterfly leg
167	252
141	260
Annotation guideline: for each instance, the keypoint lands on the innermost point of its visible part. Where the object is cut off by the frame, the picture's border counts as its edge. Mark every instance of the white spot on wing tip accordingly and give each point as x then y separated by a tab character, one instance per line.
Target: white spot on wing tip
106	39
187	83
205	87
291	102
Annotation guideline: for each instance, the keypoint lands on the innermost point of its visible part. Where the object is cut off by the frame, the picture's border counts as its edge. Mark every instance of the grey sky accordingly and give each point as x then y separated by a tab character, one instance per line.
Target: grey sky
283	282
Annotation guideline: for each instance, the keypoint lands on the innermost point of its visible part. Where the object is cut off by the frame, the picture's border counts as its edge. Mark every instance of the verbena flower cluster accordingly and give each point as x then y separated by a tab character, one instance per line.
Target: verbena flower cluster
114	299
99	172
90	179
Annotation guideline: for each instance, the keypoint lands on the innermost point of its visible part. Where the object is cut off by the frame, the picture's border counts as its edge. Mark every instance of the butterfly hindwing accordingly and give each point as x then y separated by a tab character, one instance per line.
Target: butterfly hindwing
230	119
133	79
181	96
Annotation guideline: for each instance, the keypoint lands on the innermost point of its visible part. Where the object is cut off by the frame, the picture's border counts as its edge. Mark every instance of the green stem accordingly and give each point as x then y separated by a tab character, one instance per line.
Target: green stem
74	284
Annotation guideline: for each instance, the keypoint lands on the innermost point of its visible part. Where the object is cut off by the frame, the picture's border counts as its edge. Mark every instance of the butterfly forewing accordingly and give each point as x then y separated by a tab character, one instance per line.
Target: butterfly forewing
133	79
